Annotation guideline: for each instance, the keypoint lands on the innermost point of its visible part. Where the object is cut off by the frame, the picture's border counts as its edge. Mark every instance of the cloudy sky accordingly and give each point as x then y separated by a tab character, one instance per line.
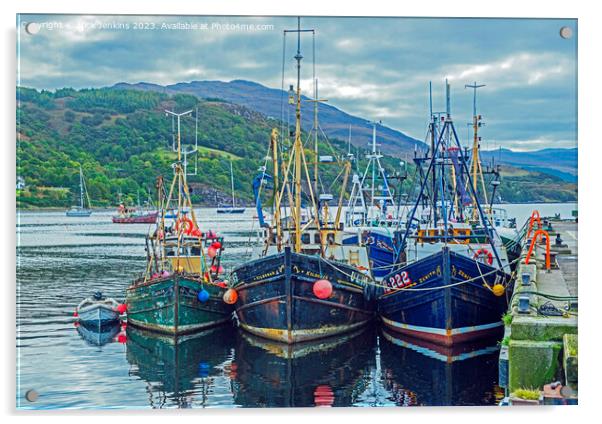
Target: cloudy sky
376	68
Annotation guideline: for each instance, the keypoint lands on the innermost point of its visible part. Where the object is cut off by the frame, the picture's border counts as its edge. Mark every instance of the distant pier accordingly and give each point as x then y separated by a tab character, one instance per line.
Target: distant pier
538	357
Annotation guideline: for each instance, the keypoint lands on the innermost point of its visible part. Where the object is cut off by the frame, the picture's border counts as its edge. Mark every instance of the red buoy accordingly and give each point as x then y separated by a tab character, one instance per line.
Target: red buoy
216	245
322	289
211	252
75	314
122	307
230	296
323	396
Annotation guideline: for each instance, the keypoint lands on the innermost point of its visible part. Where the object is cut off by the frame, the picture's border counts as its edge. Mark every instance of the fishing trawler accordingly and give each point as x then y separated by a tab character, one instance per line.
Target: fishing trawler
81	210
452	281
180	291
233	208
372	211
304	283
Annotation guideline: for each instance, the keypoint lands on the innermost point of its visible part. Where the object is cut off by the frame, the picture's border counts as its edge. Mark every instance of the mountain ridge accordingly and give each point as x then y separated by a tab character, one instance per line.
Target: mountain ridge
334	122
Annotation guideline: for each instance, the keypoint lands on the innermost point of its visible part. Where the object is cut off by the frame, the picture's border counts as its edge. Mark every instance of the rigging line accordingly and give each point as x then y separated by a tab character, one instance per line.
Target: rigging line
282	85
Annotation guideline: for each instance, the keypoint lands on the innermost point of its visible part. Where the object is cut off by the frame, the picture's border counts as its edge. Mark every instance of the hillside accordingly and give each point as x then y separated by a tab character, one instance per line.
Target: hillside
268	101
561	163
122	139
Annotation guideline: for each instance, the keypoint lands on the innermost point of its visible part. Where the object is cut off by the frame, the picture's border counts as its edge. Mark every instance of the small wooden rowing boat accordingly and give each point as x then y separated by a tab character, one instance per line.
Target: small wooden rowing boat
98	311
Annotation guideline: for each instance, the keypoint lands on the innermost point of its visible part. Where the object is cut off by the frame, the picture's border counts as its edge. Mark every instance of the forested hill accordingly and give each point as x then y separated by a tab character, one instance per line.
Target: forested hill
122	139
335	122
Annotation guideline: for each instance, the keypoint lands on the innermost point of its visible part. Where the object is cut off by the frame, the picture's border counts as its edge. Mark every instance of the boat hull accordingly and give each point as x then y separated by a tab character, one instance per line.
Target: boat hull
96	335
144	219
381	251
82	213
432	310
171	306
98	315
276	299
231	210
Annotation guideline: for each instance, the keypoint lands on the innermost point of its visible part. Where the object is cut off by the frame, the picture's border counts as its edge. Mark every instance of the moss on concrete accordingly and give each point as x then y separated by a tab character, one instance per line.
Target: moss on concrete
532	364
528	394
570	359
542	328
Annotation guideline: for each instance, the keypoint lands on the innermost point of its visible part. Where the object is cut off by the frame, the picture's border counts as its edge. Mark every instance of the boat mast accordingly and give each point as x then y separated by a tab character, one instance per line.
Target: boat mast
477	171
232	183
81	187
298	147
179	174
433	154
274	141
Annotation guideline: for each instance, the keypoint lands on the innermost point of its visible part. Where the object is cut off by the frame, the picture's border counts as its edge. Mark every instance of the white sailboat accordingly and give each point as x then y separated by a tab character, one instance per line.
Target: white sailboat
81	210
233	208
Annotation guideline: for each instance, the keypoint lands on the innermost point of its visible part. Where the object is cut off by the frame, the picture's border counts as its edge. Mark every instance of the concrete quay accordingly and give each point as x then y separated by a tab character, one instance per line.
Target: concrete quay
539	351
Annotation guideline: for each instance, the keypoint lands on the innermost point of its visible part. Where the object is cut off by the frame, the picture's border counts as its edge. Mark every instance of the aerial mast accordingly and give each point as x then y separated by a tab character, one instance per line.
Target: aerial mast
476	163
181	176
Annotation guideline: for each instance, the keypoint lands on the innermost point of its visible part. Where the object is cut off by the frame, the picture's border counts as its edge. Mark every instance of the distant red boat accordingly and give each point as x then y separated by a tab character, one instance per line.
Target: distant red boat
131	216
149	218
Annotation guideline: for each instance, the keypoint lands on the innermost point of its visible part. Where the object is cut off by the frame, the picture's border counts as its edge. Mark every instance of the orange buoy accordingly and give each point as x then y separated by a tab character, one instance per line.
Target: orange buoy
322	289
230	296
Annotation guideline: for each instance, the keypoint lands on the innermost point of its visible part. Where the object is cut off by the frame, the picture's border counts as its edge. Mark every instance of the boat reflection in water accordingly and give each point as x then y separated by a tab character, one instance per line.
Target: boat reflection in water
420	373
182	371
328	372
100	335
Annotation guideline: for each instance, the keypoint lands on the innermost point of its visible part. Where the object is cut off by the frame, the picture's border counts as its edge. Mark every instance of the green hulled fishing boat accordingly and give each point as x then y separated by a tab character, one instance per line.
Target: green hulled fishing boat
180	290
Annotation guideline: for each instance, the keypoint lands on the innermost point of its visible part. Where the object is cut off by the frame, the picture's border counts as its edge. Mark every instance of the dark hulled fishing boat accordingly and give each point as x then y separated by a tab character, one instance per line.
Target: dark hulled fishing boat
179	291
325	372
417	373
277	299
304	282
451	283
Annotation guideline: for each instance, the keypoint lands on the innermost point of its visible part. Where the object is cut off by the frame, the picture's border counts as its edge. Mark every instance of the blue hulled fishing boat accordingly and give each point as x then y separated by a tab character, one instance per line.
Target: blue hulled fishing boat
452	282
372	215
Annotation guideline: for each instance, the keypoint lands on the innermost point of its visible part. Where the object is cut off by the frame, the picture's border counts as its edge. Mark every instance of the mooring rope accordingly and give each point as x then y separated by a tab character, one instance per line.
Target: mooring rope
380	285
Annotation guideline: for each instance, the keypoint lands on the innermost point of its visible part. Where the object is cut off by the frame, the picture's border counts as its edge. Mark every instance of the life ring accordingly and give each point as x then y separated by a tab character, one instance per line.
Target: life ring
486	253
187	223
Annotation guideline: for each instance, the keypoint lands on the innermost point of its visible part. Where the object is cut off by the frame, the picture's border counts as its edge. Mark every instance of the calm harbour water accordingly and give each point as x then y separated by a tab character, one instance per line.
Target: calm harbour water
61	260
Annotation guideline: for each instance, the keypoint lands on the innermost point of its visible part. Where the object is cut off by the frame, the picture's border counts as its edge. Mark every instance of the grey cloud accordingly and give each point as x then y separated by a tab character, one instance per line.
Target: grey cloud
378	68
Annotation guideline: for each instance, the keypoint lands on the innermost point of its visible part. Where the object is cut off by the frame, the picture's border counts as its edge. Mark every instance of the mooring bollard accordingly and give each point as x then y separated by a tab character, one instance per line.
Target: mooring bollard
524	304
526	279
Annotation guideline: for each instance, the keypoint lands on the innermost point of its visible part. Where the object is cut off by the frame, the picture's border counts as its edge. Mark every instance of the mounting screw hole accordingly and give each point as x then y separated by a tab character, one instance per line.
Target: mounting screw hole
566	32
32	28
31	395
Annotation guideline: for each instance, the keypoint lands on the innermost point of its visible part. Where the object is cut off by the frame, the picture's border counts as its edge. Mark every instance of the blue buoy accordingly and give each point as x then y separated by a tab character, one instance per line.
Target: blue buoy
203	296
204	369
